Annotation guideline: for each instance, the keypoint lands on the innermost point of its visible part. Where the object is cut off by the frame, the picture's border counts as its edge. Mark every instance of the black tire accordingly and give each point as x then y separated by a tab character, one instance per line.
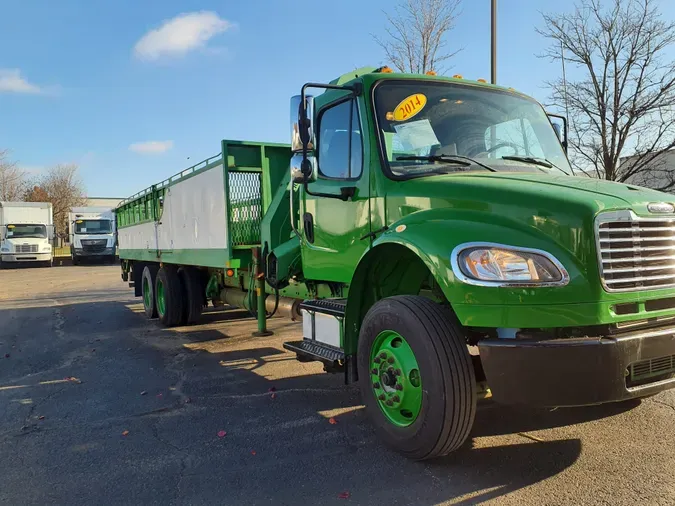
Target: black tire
193	295
75	261
449	385
148	280
167	276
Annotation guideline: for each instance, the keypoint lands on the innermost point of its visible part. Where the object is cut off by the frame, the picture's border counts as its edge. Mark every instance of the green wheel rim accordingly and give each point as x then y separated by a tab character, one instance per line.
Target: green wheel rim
146	293
395	378
161	301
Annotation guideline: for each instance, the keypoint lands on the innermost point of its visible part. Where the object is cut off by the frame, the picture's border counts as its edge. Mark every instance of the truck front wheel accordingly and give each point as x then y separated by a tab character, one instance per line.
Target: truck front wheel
148	279
416	376
169	295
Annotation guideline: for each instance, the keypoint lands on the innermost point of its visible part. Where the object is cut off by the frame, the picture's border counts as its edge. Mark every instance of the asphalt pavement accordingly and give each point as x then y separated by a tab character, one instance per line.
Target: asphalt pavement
100	405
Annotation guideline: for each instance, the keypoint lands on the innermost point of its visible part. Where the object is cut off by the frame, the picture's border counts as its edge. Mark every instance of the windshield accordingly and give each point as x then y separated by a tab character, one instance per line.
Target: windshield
93	227
442	120
26	230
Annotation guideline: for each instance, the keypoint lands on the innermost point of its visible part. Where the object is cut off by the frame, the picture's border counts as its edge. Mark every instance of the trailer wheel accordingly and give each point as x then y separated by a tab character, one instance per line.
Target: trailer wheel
148	279
193	295
169	295
416	376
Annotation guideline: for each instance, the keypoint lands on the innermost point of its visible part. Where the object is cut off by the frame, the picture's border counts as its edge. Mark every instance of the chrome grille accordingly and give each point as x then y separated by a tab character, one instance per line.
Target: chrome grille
635	253
26	248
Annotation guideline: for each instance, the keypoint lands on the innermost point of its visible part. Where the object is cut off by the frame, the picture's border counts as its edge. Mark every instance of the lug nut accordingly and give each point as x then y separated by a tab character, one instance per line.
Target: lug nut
374	371
397	372
377	360
376	385
390	370
381	397
389	403
390	360
398	387
383	355
396	398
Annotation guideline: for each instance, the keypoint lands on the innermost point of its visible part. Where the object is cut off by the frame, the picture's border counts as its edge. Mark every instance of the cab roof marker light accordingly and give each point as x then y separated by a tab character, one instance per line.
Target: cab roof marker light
384	70
481	80
458	76
430	72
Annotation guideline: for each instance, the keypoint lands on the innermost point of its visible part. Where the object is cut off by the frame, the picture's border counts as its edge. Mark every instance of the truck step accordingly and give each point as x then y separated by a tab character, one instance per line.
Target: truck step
308	350
332	307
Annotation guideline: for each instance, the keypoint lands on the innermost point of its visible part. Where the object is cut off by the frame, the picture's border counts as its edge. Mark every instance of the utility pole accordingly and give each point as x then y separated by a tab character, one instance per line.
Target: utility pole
494	42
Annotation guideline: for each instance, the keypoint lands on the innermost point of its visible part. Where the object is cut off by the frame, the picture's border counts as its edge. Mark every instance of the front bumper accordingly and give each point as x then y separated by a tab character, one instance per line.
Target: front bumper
579	371
26	257
80	252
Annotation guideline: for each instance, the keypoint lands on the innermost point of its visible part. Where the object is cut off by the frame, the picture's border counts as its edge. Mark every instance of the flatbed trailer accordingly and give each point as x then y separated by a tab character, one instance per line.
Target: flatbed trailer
429	233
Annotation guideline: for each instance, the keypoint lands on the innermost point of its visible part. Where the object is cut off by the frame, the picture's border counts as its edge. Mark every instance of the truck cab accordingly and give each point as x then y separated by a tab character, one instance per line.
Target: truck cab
26	231
559	289
92	234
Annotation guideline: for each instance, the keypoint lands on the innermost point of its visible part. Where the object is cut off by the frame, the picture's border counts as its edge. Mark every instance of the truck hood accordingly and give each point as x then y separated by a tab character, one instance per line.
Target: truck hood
577	187
545	211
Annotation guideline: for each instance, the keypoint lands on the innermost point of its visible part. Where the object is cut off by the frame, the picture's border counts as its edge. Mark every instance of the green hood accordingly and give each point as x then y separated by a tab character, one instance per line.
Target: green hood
551	212
577	187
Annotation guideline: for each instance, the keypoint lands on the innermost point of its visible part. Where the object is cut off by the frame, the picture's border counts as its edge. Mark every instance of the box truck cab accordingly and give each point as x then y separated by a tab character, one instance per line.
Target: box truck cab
26	230
92	233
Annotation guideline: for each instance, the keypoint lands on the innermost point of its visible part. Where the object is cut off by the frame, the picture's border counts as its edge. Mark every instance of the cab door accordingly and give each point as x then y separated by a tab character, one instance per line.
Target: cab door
332	227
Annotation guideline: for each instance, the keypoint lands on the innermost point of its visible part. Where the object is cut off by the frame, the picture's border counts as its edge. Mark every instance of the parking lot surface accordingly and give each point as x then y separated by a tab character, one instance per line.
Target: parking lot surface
100	405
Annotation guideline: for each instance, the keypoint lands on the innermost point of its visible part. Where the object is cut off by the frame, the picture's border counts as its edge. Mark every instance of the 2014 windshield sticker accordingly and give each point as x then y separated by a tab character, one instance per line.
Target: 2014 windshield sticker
409	107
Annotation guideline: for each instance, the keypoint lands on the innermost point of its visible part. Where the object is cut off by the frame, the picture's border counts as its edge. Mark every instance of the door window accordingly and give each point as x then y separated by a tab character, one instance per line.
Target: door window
337	158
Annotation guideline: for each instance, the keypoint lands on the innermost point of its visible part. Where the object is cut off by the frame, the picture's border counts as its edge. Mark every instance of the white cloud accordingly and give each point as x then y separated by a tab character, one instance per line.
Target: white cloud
11	81
179	35
151	147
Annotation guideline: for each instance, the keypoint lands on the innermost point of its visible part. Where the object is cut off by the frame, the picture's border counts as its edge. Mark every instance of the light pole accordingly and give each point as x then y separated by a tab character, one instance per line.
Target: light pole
494	42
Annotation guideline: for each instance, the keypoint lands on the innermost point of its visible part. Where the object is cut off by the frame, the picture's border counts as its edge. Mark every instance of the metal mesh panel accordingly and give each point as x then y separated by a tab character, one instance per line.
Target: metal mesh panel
245	207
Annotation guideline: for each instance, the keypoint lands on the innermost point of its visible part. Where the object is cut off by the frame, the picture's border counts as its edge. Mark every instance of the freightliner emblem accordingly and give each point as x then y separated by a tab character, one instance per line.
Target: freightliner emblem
660	207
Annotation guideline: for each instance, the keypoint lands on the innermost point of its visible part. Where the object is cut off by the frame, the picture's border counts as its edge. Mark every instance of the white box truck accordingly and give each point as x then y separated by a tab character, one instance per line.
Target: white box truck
92	233
26	231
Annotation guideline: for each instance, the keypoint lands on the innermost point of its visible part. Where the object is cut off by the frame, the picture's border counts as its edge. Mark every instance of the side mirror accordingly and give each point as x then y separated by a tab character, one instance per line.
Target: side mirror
302	129
559	124
303	170
558	131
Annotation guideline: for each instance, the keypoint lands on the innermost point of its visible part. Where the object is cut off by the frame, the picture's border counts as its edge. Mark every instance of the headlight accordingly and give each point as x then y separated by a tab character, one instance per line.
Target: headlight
5	249
496	265
46	247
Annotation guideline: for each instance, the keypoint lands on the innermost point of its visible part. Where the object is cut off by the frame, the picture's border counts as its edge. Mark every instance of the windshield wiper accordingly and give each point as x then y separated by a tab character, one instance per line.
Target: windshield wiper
543	162
464	161
435	158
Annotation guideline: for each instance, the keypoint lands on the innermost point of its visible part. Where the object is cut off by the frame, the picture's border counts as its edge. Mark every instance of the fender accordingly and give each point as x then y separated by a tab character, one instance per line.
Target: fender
419	247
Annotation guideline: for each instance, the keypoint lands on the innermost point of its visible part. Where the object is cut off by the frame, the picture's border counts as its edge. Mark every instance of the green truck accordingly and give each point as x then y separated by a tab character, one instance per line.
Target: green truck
433	239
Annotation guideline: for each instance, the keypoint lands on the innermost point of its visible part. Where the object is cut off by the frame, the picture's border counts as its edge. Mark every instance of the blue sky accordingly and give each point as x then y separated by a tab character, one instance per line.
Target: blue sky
114	88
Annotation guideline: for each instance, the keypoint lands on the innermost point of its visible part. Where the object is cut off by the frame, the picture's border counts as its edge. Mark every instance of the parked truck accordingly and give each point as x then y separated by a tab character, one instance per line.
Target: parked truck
26	231
431	235
92	233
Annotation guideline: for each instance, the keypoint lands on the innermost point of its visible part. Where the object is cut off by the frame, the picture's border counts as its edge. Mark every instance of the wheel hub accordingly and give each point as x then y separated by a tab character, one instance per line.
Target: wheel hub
395	377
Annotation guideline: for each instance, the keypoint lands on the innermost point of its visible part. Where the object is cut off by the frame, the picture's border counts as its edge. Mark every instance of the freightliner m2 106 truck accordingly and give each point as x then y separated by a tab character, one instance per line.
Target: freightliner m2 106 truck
432	236
92	233
26	229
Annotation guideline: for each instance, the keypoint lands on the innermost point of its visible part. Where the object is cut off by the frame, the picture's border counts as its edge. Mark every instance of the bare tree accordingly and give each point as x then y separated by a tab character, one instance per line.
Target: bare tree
62	187
416	31
12	179
624	100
